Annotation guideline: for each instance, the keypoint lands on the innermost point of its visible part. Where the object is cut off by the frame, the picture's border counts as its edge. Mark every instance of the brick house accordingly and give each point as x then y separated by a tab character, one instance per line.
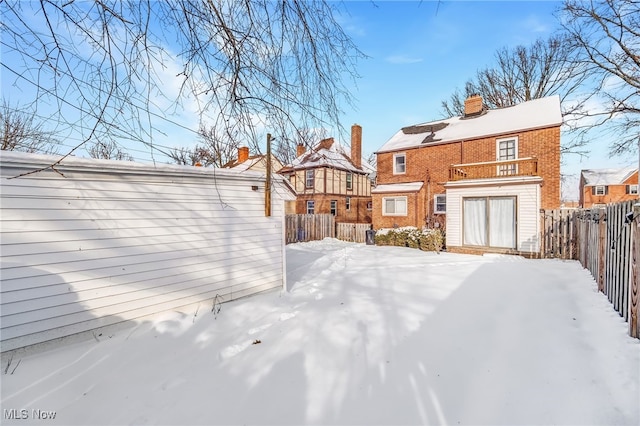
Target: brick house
604	186
484	176
329	180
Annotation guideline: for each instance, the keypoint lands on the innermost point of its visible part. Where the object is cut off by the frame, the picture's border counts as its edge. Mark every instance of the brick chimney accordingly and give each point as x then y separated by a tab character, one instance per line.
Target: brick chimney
243	154
473	105
356	145
300	149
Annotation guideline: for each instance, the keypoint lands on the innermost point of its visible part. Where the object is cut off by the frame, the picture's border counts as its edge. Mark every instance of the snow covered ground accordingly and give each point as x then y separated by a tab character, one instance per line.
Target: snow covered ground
365	335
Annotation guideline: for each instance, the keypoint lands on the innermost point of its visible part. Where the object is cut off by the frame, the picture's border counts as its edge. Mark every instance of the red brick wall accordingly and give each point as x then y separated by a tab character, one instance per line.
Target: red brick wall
615	193
430	164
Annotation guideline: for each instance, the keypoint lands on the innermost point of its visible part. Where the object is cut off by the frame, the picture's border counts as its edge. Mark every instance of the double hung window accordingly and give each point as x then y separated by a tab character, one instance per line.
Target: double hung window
399	164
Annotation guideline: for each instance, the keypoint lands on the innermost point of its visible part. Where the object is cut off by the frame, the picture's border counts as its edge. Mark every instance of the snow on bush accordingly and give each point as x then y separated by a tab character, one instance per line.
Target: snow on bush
410	236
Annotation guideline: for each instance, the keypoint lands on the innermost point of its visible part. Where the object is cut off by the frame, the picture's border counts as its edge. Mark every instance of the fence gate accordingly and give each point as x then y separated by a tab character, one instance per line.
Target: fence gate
354	232
558	237
308	227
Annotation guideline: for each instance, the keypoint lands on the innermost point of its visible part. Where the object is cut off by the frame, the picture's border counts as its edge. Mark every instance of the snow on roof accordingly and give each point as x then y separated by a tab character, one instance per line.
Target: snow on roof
594	177
245	165
335	156
398	187
538	113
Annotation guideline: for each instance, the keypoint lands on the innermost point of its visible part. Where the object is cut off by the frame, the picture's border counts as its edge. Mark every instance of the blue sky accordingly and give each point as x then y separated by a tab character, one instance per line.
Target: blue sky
418	52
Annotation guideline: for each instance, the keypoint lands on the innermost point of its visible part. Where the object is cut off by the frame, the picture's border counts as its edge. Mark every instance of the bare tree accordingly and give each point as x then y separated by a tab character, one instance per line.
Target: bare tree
21	131
197	155
521	74
106	67
217	145
524	73
605	35
108	151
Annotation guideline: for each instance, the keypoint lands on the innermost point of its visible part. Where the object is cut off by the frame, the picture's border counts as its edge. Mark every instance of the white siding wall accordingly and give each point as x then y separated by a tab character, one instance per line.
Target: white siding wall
528	208
114	241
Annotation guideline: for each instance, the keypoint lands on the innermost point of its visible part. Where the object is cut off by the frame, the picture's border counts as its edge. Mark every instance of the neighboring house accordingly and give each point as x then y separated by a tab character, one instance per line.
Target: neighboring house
255	163
604	186
484	175
329	180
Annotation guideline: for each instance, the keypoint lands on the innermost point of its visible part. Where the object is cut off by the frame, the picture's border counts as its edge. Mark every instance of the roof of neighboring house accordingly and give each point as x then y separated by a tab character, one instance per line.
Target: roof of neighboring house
534	114
328	154
595	177
250	163
398	187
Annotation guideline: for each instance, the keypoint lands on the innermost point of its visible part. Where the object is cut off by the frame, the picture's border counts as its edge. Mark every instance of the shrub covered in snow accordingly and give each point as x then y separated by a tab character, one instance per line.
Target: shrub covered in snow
410	236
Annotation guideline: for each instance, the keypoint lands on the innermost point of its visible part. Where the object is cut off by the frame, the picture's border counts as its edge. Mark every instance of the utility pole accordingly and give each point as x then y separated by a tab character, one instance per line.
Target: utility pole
267	184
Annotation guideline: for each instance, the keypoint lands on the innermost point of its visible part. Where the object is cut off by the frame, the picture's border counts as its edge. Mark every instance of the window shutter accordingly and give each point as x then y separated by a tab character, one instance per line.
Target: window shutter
606	190
627	189
593	190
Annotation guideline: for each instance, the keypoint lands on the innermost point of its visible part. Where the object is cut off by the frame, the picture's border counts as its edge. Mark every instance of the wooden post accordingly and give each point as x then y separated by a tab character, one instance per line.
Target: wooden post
634	285
267	183
602	233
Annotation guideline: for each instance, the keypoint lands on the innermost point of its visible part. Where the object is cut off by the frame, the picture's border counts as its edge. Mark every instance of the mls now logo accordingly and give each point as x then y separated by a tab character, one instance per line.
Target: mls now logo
15	414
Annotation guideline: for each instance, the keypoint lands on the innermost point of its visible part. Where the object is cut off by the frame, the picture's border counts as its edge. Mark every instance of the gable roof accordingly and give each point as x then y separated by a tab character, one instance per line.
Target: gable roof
329	154
593	177
252	161
530	115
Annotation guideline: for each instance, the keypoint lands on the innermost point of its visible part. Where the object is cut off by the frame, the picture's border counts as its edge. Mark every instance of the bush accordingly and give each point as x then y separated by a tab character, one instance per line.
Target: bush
410	236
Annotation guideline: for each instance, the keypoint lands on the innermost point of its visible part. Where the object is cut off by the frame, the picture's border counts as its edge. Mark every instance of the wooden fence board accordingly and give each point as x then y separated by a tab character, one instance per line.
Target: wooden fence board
354	232
634	303
308	227
604	243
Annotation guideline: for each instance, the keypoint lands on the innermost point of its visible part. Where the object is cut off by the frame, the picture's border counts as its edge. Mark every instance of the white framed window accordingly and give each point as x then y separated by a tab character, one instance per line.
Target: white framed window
440	204
394	206
309	178
399	164
507	149
369	205
600	190
334	207
311	206
632	189
349	181
348	203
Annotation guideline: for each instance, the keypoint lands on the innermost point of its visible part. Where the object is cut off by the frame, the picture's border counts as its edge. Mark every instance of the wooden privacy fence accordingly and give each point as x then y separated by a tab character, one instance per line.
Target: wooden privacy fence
558	237
308	227
606	241
354	232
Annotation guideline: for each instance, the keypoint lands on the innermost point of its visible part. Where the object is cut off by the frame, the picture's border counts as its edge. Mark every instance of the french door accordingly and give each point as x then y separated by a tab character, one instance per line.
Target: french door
489	221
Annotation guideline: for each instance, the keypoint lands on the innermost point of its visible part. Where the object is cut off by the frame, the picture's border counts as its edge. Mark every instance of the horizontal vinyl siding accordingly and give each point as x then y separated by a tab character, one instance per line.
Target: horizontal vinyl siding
92	248
528	207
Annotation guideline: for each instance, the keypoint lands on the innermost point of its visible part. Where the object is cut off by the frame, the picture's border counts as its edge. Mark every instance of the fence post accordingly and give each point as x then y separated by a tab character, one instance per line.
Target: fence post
602	234
634	304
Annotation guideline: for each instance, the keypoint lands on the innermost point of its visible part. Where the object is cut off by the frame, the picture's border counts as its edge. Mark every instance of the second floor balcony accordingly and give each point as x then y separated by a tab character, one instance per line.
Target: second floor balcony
494	169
